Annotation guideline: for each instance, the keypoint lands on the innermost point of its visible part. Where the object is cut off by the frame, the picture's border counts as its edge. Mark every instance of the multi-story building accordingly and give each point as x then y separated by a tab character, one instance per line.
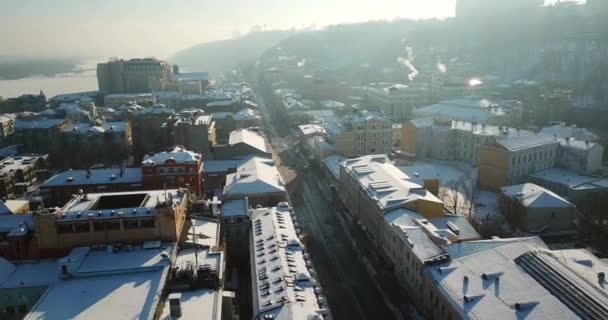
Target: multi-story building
193	130
38	135
451	140
407	222
508	161
133	76
396	100
257	179
89	143
500	113
149	136
175	168
19	173
107	218
283	284
58	189
360	135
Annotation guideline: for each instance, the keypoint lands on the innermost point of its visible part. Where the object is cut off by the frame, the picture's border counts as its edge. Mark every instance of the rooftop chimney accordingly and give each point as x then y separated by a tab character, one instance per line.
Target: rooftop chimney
175	305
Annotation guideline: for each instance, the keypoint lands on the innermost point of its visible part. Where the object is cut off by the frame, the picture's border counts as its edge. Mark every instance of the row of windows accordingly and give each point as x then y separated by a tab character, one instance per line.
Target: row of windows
127	224
542	155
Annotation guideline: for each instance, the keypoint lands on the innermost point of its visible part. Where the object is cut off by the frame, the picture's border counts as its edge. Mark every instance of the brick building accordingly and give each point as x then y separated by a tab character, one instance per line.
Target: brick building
175	168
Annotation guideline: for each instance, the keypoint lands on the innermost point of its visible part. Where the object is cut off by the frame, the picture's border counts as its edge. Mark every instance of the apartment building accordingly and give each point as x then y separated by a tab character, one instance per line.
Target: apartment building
37	134
407	222
360	135
396	100
193	130
19	173
451	140
509	161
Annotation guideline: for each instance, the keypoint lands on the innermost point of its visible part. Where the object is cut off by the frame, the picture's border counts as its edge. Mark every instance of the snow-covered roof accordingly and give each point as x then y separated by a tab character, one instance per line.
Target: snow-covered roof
385	183
332	104
309	129
247	114
507	279
284	284
212	166
575	144
571	179
534	196
248	137
526	142
177	154
106	285
479	110
42	123
141	204
255	176
92	128
333	164
95	177
563	131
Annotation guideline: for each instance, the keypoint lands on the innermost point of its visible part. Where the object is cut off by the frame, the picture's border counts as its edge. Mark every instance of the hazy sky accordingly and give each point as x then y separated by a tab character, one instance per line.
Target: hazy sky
102	28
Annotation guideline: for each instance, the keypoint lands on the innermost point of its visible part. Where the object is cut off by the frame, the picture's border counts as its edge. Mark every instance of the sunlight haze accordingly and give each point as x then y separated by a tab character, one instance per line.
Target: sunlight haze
99	28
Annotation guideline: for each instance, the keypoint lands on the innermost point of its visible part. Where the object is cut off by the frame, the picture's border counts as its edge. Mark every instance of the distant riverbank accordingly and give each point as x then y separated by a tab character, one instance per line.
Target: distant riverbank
51	76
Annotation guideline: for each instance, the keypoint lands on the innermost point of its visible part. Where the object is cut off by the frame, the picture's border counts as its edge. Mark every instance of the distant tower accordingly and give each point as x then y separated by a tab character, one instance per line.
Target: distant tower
175	69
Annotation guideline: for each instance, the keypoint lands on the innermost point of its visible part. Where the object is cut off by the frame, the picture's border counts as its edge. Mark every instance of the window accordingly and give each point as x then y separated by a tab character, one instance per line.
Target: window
65	228
131	224
147	223
82	227
112	225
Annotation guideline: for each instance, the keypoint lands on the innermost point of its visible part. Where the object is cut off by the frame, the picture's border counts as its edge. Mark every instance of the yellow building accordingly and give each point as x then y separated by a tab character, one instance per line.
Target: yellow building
107	218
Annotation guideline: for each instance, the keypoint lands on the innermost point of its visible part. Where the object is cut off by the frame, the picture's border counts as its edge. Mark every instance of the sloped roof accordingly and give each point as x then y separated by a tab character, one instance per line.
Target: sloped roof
534	196
385	183
248	137
255	176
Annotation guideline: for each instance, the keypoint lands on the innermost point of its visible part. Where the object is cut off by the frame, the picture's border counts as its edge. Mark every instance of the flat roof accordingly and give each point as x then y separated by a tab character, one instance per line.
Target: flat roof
104	285
95	177
140	204
235	207
571	179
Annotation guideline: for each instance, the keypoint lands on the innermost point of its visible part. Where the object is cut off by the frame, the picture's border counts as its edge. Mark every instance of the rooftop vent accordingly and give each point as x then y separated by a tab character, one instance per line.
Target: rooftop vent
472	298
491	276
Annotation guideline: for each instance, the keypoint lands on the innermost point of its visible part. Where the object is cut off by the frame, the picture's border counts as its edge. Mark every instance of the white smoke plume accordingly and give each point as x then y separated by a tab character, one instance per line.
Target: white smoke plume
407	62
302	63
441	67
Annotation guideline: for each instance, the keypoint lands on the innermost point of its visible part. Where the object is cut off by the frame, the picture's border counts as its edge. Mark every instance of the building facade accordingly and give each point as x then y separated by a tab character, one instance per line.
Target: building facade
107	218
175	168
509	161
